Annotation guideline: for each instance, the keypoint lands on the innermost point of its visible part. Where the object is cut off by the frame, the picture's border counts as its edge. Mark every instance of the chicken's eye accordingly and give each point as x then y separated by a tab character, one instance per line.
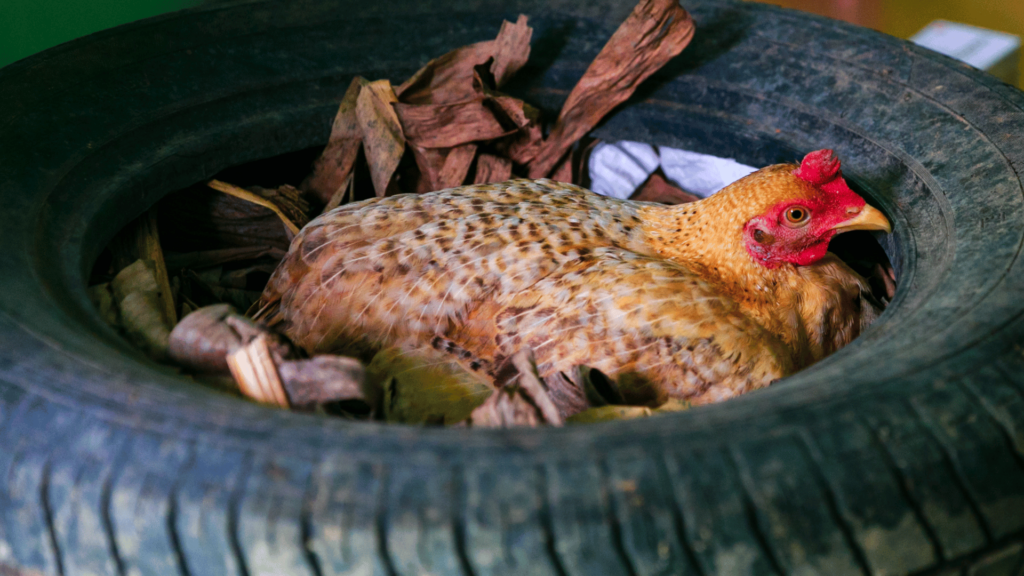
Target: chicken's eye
797	216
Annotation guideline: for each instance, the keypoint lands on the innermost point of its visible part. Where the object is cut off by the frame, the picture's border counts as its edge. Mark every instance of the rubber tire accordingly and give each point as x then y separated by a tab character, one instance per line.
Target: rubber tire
901	453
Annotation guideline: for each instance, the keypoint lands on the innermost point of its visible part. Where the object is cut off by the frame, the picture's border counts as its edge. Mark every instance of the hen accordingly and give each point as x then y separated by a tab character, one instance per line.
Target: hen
701	301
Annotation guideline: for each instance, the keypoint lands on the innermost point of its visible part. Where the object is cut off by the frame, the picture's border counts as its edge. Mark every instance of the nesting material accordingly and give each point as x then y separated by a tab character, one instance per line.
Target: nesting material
522	401
256	373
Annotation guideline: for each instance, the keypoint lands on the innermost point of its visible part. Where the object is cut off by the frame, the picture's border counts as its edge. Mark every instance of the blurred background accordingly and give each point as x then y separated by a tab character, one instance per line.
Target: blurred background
28	26
905	18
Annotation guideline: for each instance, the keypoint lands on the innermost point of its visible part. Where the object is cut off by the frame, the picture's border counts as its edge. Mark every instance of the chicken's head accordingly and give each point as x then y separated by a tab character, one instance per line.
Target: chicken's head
802	210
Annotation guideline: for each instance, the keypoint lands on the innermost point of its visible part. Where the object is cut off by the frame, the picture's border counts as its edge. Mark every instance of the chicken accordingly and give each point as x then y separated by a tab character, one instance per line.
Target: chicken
700	301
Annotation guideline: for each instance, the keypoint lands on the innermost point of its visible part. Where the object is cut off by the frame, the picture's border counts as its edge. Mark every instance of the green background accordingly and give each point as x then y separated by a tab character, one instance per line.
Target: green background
28	26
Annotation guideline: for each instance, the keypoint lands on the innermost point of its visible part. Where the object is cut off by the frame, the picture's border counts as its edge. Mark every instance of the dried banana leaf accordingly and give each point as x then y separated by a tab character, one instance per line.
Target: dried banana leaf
333	170
580	389
203	339
655	32
254	198
491	168
522	401
456	166
140	239
446	79
383	140
430	163
196	220
141	310
523	146
346	193
513	112
450	125
289	200
323	379
511	50
207	342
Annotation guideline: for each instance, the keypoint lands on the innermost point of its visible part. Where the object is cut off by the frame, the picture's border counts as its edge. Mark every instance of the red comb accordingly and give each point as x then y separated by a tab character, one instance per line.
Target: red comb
819	167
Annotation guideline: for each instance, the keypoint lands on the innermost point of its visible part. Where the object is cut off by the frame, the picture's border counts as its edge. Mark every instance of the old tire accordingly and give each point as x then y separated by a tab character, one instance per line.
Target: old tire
902	453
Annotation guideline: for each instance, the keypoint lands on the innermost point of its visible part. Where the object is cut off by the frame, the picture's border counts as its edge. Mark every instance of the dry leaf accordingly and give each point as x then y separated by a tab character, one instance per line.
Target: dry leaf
580	389
522	401
514	111
523	146
196	220
254	198
327	378
430	162
655	32
491	168
511	50
289	200
567	393
383	140
140	309
140	239
447	79
335	165
202	340
456	166
658	189
449	125
581	161
563	173
346	191
888	276
217	340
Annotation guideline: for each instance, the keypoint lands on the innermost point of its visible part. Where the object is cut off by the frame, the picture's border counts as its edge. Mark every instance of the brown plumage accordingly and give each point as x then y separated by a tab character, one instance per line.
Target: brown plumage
701	301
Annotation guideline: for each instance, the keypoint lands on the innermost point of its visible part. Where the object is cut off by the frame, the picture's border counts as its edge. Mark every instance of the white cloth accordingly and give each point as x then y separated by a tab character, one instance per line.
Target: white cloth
701	174
618	169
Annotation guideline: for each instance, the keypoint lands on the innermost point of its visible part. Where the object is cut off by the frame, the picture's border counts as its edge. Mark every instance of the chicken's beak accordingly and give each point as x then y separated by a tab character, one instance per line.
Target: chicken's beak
868	219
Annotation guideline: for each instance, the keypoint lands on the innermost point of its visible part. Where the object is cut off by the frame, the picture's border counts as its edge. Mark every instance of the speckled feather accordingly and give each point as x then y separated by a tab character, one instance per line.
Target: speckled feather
483	271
